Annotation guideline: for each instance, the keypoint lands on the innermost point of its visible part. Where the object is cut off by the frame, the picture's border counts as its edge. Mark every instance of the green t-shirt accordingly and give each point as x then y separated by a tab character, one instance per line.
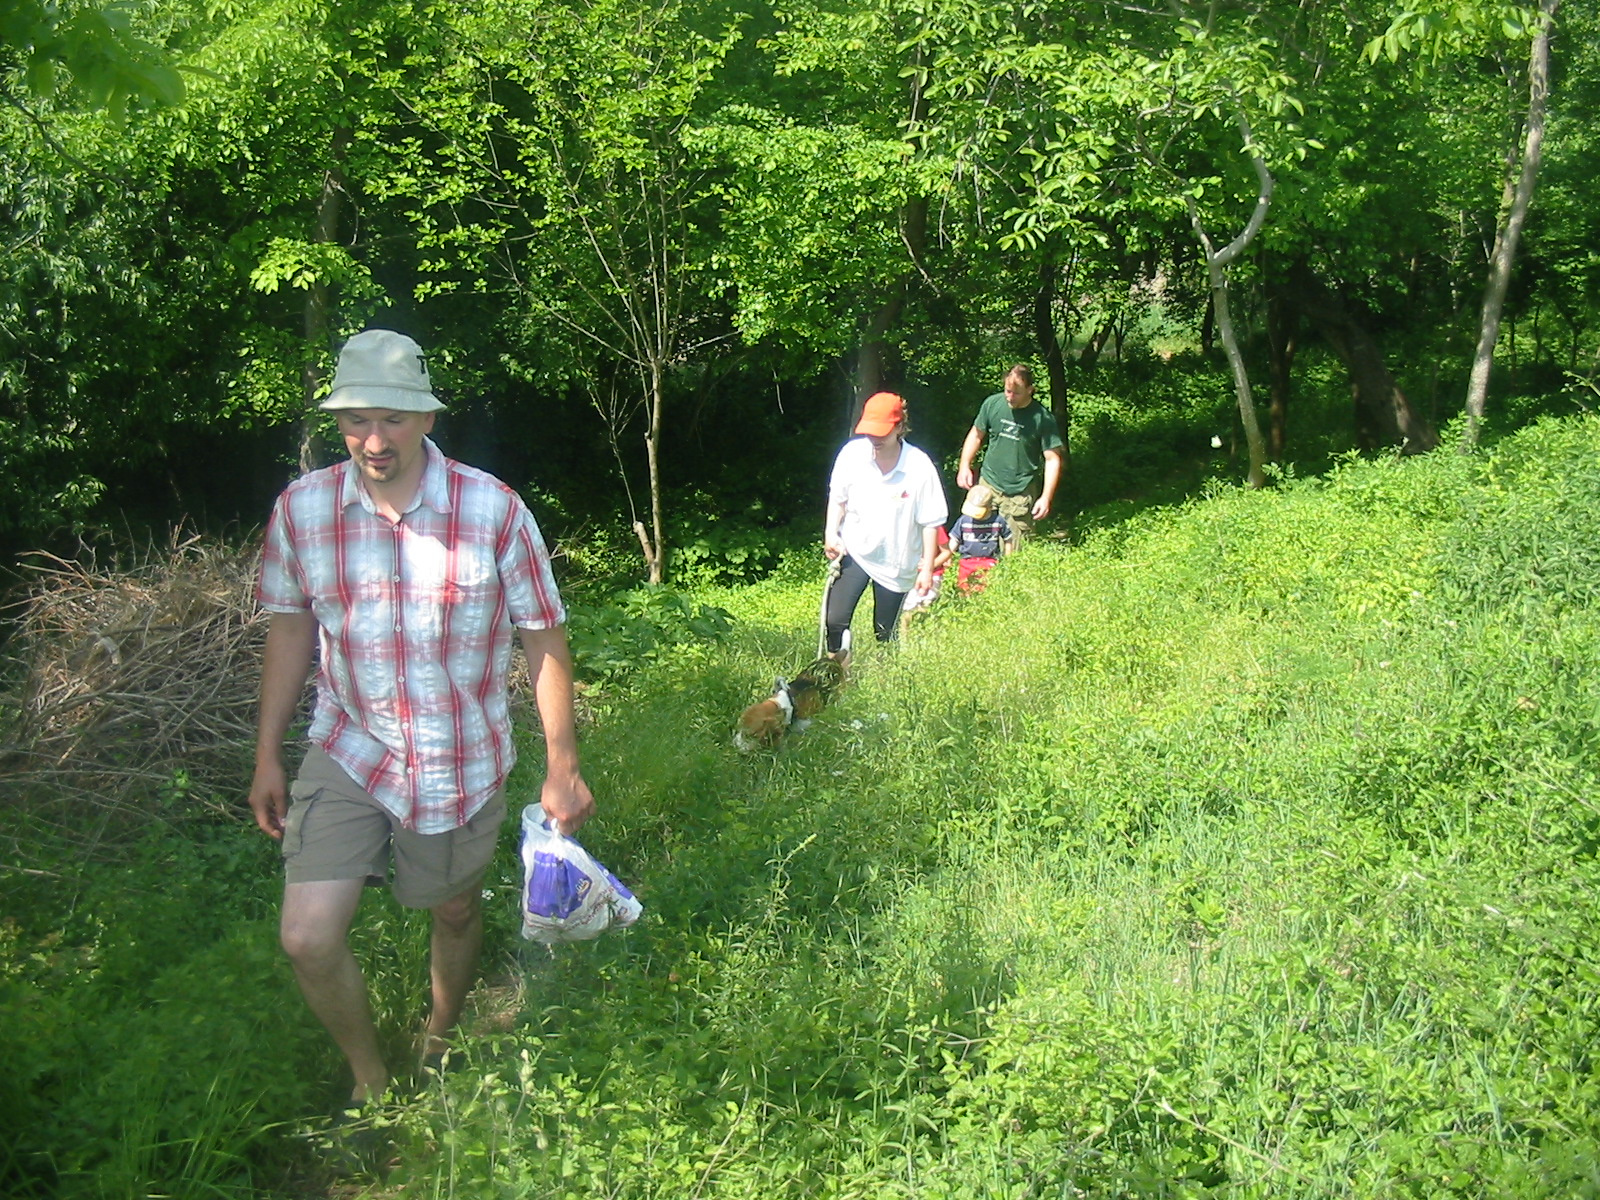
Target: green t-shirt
1015	442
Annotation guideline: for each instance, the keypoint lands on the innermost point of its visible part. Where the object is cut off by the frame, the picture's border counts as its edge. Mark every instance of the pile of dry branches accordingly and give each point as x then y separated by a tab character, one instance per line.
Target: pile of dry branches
132	692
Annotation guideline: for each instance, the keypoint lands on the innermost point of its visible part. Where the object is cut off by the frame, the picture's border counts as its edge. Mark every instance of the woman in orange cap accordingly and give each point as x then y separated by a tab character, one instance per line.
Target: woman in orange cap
885	506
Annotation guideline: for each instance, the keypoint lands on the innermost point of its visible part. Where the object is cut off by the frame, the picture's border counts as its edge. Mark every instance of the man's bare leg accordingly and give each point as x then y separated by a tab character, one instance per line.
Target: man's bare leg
457	940
314	932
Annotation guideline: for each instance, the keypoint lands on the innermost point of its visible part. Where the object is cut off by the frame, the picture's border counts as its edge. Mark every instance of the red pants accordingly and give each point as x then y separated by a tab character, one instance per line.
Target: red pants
970	573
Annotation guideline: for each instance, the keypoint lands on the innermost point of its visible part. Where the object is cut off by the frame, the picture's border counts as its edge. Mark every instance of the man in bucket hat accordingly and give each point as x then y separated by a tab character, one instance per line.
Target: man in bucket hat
411	573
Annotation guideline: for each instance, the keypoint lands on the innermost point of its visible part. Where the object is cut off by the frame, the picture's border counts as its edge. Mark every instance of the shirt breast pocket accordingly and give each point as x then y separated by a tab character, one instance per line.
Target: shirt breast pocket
470	606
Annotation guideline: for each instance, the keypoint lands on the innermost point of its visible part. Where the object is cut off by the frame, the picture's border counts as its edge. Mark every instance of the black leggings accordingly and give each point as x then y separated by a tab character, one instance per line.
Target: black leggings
846	593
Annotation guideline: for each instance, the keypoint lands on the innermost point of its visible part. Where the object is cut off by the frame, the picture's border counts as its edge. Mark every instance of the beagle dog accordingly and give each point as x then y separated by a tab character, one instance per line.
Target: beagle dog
792	705
764	723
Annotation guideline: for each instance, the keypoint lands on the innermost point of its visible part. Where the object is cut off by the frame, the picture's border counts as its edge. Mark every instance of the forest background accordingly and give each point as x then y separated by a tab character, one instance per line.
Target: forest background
658	254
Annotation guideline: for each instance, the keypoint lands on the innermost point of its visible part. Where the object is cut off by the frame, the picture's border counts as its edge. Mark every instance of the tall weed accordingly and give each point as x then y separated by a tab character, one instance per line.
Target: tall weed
1246	849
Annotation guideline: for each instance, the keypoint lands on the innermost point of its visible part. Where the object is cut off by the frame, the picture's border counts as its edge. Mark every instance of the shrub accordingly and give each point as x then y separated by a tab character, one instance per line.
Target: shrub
638	626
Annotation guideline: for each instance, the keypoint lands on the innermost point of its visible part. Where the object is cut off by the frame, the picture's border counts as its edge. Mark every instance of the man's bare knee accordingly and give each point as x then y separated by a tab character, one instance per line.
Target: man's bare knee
310	948
315	921
459	913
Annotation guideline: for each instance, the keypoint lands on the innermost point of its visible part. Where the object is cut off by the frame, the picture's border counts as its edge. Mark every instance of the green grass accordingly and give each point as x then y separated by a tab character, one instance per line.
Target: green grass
1246	849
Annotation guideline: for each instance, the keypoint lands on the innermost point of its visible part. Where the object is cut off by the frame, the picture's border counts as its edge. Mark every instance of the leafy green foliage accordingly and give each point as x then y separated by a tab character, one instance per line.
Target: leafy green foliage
636	627
1177	415
98	47
809	222
141	1044
1439	31
1523	540
724	552
513	183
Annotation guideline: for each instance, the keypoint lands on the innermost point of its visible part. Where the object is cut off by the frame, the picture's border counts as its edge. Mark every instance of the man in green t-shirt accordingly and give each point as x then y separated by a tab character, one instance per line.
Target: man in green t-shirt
1024	444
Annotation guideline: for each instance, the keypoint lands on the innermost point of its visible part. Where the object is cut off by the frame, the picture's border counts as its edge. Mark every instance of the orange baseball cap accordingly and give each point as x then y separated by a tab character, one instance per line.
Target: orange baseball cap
881	413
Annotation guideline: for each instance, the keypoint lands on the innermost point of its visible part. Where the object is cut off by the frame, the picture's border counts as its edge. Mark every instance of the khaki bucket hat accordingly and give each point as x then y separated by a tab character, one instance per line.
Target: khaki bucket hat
382	369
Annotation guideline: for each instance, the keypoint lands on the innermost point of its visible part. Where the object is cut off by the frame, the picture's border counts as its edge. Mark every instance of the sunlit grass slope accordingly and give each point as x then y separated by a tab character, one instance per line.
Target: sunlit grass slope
1247	850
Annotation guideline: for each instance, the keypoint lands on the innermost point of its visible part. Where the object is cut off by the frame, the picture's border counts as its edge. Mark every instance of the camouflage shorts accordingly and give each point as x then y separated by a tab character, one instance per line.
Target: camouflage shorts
1019	511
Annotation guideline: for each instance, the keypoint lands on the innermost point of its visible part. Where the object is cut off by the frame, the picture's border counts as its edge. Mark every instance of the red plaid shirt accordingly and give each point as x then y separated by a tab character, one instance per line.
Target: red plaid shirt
416	622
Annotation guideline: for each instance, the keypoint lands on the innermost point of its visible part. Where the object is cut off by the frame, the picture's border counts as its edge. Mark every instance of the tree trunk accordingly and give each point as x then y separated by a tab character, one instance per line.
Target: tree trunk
1049	343
872	366
1241	378
330	204
1283	325
1510	232
1217	262
872	372
655	556
1089	356
1384	414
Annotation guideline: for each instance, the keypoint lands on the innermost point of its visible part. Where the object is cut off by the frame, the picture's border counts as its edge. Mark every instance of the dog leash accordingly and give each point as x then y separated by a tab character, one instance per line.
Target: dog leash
834	567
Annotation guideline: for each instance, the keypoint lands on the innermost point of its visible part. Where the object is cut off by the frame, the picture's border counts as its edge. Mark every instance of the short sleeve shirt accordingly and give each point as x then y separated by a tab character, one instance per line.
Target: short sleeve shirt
416	621
1017	440
980	539
884	515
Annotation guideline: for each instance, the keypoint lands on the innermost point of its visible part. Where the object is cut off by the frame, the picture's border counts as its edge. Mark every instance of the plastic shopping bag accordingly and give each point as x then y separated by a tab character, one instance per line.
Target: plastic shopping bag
566	895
